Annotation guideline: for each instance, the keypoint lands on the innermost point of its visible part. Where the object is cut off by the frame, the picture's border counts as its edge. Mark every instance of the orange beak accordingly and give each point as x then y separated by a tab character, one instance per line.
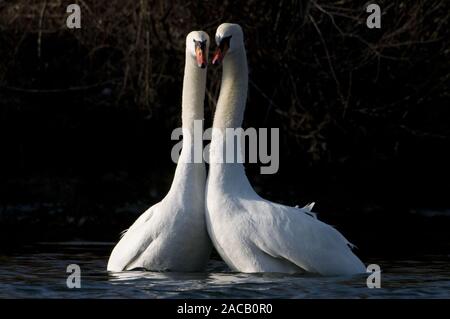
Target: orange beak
217	57
201	58
221	50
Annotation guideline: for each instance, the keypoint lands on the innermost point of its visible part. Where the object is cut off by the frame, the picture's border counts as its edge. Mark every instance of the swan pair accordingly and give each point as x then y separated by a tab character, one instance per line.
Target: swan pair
250	233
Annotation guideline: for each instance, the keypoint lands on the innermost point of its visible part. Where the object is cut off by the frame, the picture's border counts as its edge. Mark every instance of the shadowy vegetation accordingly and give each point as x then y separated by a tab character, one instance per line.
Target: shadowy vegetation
86	114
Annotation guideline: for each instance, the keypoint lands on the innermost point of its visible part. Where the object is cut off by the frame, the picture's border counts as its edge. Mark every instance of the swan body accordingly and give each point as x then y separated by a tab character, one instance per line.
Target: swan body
250	233
172	235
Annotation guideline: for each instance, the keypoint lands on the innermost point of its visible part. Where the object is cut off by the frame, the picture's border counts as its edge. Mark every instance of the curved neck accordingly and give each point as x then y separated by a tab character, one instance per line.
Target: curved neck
229	114
190	171
233	91
194	84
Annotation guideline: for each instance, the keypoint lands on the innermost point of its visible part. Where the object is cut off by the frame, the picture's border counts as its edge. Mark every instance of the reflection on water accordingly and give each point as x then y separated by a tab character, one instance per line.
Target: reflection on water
40	272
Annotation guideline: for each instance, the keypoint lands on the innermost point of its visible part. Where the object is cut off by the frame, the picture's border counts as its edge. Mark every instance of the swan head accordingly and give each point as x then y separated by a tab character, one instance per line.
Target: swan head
229	38
197	45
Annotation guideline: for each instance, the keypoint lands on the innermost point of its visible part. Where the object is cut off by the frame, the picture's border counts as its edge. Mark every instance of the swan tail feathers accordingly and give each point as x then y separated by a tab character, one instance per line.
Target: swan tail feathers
310	206
308	210
123	232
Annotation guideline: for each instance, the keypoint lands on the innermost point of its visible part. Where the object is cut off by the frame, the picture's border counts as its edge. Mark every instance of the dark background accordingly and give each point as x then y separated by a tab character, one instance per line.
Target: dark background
86	115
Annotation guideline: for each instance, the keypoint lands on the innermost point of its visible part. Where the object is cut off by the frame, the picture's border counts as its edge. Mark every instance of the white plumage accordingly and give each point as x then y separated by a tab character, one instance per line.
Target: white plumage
250	233
171	235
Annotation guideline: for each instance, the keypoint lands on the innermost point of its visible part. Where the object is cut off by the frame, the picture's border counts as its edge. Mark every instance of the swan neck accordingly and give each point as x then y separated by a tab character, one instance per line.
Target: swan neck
190	171
229	115
233	92
194	84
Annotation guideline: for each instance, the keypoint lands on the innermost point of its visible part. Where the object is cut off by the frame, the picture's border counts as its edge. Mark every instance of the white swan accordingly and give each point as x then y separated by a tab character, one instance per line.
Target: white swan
171	235
250	233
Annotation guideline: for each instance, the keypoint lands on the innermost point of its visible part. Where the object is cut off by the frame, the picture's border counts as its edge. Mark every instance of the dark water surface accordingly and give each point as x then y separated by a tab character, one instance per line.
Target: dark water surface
39	271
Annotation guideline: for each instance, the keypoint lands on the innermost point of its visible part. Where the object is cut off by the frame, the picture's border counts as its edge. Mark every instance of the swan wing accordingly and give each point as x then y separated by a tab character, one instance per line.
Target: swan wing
133	243
302	240
145	216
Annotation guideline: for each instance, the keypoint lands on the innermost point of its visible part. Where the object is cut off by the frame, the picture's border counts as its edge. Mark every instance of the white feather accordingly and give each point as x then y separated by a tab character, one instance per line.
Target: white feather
250	233
171	235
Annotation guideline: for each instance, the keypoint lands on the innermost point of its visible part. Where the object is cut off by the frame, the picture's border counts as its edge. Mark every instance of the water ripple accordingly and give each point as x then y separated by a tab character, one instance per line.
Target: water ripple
40	272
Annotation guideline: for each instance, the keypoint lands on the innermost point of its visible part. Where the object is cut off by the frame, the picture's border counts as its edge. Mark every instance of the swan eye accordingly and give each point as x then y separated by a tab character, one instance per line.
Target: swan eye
200	44
221	50
225	42
200	53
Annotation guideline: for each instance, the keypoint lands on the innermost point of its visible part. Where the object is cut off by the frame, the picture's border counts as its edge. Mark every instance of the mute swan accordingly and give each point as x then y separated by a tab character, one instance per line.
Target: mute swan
250	233
172	235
